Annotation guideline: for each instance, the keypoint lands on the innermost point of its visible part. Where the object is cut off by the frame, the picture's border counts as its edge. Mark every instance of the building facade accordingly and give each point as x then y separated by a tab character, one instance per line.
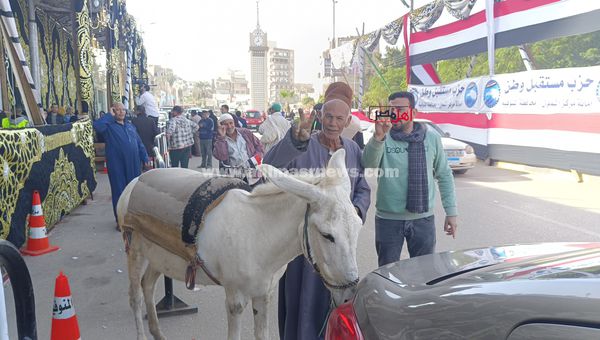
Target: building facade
281	72
232	90
349	74
162	85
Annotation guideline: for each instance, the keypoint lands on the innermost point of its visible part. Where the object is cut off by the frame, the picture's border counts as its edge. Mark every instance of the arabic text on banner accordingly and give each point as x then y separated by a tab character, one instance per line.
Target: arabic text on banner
570	90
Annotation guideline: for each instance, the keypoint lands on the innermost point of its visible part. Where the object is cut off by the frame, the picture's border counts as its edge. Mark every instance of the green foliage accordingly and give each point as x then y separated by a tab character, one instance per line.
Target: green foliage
378	93
508	60
576	51
308	102
287	96
392	71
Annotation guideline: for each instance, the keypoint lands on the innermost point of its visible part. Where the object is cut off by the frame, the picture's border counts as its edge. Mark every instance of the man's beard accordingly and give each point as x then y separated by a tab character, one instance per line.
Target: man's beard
401	126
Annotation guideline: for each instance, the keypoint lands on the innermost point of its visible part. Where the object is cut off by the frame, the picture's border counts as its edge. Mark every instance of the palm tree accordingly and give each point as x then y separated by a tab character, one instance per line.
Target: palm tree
308	102
286	96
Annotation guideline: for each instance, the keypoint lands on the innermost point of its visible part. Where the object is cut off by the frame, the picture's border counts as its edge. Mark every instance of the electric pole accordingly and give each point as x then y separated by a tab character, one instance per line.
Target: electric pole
333	38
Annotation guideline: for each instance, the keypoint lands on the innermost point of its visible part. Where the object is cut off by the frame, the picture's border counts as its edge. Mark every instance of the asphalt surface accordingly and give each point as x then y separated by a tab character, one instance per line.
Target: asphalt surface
496	207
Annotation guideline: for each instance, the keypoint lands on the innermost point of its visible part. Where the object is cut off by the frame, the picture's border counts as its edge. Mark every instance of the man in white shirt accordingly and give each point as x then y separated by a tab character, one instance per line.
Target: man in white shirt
147	100
274	128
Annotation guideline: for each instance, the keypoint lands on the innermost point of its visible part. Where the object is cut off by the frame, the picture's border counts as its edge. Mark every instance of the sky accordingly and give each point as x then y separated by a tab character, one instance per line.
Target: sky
202	39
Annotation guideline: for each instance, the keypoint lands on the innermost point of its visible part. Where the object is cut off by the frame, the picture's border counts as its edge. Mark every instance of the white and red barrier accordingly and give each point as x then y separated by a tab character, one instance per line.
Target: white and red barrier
545	118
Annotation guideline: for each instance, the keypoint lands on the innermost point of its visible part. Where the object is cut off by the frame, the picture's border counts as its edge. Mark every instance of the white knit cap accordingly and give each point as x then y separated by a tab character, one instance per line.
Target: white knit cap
224	117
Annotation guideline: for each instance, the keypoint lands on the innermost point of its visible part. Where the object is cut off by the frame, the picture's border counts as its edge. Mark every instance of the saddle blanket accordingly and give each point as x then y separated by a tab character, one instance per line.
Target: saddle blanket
168	206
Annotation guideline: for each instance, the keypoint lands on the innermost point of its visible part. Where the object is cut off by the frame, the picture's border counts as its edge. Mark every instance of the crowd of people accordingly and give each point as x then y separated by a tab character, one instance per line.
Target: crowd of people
55	115
405	198
404	202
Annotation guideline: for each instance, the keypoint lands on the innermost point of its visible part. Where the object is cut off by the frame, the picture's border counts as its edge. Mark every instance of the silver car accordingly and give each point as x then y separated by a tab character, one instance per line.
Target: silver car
461	156
542	291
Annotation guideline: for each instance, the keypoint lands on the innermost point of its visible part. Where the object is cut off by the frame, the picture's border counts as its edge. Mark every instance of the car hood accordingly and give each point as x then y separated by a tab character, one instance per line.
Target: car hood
450	143
516	262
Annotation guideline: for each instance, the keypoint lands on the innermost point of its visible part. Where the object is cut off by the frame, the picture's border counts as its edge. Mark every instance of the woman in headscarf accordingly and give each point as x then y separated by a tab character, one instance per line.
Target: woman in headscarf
304	301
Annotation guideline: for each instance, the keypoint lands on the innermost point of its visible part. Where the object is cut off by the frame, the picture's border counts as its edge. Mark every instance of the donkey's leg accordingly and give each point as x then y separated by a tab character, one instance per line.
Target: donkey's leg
235	302
135	264
149	286
261	322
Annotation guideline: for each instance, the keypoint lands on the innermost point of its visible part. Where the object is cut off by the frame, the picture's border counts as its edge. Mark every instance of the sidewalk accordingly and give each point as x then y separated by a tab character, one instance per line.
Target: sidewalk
92	256
548	172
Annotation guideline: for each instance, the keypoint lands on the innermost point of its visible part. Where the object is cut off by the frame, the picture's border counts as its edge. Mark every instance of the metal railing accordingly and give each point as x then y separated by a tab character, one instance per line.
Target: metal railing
170	304
161	151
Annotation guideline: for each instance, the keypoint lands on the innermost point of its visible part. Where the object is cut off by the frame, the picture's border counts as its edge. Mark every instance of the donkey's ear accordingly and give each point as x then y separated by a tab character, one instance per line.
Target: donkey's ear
338	160
337	173
287	183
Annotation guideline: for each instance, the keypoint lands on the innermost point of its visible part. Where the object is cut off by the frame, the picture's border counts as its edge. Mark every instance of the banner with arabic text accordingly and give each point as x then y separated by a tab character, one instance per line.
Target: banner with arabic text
569	90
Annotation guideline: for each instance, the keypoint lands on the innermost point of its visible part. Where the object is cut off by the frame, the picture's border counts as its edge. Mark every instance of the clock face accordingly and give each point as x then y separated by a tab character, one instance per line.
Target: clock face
258	40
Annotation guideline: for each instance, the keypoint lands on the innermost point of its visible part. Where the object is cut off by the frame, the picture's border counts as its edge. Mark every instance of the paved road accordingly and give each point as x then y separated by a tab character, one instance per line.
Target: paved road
496	207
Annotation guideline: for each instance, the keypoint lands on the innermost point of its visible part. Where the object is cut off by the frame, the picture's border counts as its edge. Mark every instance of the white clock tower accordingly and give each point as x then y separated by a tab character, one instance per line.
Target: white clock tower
258	66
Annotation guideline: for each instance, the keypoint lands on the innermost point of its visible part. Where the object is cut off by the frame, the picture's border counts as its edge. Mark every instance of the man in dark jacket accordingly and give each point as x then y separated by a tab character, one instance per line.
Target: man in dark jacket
241	120
146	128
215	120
206	139
54	117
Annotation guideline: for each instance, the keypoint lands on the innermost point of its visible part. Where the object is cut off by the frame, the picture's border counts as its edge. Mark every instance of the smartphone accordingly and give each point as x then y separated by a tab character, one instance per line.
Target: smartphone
394	113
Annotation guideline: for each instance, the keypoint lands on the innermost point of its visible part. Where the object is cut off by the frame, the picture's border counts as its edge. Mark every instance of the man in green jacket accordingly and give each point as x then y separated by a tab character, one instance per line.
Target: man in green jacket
16	121
409	158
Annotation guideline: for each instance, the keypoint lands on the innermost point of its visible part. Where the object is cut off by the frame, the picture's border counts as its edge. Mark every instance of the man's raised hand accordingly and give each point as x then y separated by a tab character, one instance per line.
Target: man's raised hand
303	129
382	127
222	130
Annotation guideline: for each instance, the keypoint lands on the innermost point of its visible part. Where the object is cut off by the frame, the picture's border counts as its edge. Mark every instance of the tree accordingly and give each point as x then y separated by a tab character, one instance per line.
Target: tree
308	102
508	60
394	57
391	66
286	96
378	93
576	51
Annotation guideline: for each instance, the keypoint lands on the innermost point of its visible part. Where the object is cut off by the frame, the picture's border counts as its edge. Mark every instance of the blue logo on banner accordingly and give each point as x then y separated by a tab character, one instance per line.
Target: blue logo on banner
471	95
416	95
491	94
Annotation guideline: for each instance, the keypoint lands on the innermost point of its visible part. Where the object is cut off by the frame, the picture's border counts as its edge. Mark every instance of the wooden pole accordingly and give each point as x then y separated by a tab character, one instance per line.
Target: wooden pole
109	67
75	4
34	48
3	79
31	105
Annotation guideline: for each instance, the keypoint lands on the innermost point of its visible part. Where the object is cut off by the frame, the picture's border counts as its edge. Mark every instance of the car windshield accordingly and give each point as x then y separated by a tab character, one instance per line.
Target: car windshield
252	114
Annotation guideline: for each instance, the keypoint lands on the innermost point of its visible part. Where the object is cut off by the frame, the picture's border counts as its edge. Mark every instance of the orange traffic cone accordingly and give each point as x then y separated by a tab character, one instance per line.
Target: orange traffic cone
37	241
64	320
105	170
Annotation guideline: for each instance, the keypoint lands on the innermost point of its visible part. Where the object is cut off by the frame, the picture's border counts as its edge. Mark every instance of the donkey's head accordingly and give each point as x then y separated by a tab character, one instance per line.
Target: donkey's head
330	229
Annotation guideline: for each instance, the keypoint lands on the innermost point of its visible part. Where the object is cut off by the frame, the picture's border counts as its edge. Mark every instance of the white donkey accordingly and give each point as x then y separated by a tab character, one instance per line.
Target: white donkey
248	239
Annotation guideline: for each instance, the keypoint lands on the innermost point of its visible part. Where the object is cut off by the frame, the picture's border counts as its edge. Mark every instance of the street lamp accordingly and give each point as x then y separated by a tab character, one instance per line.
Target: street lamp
333	39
